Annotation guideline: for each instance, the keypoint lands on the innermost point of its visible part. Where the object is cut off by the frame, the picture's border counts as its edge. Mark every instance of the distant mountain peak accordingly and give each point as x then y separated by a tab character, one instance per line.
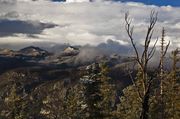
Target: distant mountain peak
33	51
32	48
7	52
70	50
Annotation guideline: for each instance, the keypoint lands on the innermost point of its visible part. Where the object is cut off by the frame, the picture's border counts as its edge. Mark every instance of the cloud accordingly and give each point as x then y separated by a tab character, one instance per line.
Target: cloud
77	0
7	1
92	53
12	27
91	23
111	46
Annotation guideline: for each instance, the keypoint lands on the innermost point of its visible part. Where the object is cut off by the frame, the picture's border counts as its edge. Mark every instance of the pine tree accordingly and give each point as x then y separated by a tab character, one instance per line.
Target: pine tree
17	104
107	90
16	101
130	106
93	97
172	89
53	102
73	105
170	96
91	92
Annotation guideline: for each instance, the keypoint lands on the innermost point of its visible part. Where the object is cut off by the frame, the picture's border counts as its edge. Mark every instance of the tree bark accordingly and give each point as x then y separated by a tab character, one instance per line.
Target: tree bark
145	106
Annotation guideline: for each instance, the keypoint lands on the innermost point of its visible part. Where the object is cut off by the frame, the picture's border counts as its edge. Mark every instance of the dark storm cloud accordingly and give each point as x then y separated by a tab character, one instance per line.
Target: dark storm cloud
31	28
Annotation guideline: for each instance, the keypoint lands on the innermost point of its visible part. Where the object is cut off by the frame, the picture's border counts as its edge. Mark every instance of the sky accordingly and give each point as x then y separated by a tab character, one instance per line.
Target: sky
157	2
80	22
148	2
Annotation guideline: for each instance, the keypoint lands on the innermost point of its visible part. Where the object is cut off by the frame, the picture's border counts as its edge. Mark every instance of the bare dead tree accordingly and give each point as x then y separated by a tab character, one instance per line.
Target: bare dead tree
164	49
143	60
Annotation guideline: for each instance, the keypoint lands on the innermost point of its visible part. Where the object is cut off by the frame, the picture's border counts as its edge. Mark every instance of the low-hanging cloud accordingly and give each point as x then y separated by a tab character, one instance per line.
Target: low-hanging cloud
12	27
92	53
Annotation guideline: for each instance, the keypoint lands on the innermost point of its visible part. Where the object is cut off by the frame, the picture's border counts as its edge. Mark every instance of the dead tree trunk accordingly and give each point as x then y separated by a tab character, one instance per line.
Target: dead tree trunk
161	65
145	105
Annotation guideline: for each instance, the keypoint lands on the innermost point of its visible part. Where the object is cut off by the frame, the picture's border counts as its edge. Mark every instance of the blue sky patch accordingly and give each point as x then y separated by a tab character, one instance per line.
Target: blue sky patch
156	2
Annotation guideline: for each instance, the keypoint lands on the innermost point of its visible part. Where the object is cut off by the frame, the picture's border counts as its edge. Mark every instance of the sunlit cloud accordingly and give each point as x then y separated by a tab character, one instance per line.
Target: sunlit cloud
80	23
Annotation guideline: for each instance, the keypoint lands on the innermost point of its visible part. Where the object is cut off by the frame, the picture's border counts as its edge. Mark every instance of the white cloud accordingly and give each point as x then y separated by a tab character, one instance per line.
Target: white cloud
91	23
77	1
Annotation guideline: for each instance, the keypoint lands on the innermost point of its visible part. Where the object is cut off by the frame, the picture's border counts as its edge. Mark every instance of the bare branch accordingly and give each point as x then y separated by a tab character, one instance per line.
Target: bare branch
129	30
149	34
153	49
167	46
164	52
